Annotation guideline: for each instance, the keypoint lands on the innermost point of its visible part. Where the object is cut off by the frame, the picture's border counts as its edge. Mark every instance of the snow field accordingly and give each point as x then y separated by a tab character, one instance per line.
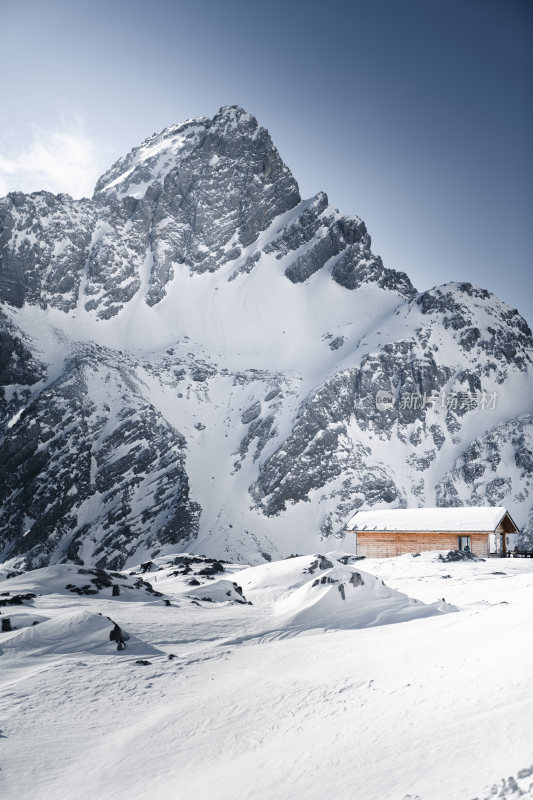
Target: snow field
436	707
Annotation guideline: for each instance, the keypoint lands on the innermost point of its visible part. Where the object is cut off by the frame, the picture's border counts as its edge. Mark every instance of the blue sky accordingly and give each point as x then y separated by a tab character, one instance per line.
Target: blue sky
414	114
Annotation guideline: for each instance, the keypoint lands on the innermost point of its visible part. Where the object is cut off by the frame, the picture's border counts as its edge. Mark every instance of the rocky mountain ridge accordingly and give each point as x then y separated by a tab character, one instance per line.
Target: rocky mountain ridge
193	357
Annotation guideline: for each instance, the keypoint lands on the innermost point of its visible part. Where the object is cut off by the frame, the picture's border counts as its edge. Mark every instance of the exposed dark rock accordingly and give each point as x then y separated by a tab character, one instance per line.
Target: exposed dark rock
459	555
251	413
117	635
321	562
323	580
17	599
48	470
357	266
211	569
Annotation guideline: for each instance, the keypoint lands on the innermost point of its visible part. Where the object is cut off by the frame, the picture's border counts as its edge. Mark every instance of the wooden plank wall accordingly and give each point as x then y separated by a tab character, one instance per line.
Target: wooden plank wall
384	544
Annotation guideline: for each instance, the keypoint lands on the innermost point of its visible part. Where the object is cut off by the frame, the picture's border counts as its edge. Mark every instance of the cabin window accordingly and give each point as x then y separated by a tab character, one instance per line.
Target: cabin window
464	544
492	543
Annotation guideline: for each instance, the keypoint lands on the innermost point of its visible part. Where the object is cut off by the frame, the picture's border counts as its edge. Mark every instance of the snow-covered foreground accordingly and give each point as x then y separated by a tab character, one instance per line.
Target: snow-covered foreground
317	676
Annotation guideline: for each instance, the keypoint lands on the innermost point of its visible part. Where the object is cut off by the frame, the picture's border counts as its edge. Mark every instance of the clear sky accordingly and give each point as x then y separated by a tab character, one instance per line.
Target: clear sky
414	114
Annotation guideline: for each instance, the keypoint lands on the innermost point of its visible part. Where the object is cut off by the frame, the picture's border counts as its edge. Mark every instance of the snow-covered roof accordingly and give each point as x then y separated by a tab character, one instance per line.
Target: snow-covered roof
479	518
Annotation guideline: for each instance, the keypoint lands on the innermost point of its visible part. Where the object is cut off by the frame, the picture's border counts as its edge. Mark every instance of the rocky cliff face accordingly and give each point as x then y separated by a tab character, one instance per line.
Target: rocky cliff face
197	357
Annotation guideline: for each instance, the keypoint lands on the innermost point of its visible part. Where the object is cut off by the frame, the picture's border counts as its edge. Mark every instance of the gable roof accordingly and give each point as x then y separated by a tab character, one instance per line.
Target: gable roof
463	518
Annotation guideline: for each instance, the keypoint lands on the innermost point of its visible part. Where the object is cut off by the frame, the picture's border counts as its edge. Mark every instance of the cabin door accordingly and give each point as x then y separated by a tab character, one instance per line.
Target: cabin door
497	546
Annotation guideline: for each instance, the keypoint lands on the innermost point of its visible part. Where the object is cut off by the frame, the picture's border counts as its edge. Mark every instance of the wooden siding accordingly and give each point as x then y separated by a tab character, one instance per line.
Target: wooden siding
384	544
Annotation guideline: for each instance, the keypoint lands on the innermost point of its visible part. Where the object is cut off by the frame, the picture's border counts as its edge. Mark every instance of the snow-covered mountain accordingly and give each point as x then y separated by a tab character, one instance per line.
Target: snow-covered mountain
196	358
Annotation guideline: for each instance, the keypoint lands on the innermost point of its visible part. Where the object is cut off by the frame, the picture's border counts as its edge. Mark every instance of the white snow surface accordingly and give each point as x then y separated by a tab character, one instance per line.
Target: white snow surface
481	518
300	694
78	631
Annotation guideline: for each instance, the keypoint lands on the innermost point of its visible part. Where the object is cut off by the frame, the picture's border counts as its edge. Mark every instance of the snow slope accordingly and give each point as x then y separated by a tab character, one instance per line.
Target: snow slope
433	707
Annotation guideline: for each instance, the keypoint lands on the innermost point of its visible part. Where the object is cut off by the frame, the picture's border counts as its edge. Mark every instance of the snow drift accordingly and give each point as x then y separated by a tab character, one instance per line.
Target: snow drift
322	591
78	631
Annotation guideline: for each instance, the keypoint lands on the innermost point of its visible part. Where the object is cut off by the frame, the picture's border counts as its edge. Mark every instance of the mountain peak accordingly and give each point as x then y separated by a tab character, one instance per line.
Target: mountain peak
234	117
151	160
162	152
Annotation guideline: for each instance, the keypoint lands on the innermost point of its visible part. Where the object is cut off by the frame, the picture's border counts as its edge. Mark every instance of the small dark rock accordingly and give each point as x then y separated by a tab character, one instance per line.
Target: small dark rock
183	571
17	599
459	555
116	635
251	413
212	569
321	562
336	343
324	579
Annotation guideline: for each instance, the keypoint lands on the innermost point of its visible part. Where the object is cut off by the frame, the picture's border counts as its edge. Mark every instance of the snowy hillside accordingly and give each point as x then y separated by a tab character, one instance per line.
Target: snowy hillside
315	676
191	359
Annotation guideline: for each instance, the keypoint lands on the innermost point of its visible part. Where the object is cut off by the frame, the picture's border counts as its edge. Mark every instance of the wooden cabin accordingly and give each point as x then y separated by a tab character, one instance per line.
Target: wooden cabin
484	530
